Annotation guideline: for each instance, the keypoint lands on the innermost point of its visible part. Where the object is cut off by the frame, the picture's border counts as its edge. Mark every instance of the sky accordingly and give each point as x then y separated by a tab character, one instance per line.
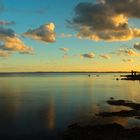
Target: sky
69	35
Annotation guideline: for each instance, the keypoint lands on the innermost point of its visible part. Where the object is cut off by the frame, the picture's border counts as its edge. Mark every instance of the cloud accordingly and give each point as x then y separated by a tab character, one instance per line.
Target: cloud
106	20
128	60
43	33
3	22
6	32
127	52
105	56
15	44
63	35
4	53
88	55
64	49
10	42
137	46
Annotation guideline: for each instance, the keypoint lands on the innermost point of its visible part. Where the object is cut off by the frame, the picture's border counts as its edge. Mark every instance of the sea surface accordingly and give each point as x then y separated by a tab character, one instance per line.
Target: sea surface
44	104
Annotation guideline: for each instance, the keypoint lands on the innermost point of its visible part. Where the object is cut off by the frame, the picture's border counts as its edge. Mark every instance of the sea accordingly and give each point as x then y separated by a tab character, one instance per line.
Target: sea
43	105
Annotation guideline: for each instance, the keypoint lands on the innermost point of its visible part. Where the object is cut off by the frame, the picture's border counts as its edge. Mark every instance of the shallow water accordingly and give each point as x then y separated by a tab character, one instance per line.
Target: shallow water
45	104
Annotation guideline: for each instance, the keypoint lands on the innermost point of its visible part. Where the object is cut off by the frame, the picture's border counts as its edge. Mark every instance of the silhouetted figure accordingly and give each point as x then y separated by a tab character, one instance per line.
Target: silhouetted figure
134	76
132	72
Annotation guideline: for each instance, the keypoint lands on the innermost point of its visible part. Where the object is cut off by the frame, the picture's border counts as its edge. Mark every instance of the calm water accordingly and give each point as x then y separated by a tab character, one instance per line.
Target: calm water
45	104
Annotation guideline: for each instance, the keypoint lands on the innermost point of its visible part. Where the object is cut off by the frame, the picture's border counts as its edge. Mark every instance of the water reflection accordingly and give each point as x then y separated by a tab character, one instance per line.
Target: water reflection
48	104
51	114
9	110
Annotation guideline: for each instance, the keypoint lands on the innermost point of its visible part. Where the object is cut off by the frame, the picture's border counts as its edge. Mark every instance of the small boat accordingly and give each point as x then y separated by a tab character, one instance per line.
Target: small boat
89	75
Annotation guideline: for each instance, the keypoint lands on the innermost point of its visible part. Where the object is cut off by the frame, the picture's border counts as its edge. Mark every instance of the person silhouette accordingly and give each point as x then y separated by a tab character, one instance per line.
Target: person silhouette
132	72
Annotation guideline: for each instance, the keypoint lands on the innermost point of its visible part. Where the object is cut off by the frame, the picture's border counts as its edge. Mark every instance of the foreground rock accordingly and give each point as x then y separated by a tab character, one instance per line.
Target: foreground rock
101	132
107	131
133	112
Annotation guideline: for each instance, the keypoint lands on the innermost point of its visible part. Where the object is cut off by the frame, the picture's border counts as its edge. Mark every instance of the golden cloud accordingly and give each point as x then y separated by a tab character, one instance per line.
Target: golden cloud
106	20
10	42
15	44
43	33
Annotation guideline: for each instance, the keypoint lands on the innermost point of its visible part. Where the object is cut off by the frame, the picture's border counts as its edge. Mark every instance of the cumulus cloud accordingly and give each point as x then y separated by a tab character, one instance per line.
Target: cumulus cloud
3	22
127	52
15	44
64	49
10	42
106	20
105	56
137	46
128	60
88	55
43	33
6	32
4	53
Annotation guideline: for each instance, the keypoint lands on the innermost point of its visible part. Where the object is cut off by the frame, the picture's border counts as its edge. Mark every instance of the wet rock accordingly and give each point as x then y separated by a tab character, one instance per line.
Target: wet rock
101	132
107	131
134	112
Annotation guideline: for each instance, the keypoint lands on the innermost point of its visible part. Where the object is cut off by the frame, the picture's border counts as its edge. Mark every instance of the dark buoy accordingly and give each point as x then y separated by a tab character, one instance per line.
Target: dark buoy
111	98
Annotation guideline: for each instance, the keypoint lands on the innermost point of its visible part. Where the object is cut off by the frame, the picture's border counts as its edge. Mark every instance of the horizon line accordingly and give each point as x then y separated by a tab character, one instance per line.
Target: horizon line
67	72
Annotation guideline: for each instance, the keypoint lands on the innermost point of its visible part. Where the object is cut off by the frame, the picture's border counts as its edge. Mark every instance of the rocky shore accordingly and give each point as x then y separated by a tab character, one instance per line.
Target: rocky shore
101	132
112	131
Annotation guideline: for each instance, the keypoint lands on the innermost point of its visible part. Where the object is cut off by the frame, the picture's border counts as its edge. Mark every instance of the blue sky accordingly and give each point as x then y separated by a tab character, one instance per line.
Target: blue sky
68	48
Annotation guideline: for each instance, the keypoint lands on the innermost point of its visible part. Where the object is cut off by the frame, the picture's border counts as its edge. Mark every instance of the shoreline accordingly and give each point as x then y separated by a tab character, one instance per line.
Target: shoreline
108	131
101	132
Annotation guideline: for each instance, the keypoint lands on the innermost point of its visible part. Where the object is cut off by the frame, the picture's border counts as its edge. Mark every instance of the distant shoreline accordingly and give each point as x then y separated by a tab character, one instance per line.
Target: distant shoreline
39	72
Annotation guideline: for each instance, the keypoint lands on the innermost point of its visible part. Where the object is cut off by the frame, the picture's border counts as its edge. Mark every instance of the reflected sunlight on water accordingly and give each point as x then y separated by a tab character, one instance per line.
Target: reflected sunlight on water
49	103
